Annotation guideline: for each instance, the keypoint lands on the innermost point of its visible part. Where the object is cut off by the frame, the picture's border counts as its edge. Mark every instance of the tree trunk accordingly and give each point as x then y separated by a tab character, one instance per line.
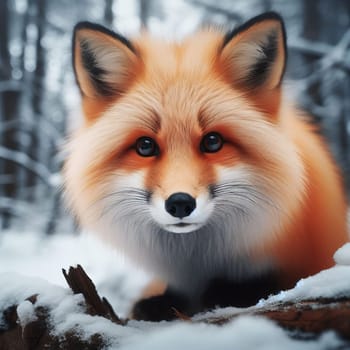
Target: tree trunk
10	98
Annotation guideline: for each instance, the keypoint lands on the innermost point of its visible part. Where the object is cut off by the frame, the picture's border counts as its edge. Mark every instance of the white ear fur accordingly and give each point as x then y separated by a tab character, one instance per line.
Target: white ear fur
104	62
254	55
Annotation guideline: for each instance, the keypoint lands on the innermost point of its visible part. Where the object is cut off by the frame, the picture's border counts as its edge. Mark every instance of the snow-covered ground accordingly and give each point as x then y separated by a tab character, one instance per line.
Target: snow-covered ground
30	264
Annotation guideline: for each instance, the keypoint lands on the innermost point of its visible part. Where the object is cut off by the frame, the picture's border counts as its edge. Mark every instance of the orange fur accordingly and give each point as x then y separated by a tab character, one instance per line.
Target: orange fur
320	229
182	91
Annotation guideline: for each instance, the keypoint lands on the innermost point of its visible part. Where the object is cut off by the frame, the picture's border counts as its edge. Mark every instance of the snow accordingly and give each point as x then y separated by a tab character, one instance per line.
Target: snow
243	333
342	255
31	264
26	313
42	256
334	282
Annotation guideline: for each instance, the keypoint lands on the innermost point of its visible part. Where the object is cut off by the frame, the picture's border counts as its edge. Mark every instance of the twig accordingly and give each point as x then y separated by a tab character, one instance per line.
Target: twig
80	282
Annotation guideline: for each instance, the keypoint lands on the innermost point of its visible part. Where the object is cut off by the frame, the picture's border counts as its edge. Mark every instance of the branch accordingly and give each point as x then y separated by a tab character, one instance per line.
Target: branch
335	56
15	206
24	160
317	49
79	282
28	126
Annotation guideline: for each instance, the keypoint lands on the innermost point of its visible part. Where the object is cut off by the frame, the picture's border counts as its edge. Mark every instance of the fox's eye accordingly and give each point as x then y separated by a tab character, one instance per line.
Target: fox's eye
211	142
146	147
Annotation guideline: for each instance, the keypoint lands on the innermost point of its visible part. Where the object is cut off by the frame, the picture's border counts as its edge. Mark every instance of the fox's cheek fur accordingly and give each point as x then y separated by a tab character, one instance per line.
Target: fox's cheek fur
125	200
246	205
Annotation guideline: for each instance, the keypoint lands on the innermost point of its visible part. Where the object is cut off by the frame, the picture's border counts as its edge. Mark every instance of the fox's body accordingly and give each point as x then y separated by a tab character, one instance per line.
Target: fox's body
194	164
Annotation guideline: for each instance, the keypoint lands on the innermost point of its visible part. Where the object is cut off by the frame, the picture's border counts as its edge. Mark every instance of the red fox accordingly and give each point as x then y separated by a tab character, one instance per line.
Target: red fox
192	161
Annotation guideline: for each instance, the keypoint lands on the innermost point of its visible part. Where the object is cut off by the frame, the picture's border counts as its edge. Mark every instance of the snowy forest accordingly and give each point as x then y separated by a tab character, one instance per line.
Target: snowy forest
41	308
39	103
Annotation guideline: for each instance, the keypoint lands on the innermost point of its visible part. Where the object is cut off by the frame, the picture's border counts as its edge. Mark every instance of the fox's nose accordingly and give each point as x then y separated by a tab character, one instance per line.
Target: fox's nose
180	204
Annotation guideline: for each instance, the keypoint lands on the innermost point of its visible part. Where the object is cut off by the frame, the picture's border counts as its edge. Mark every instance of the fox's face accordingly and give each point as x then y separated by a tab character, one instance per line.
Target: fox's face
184	138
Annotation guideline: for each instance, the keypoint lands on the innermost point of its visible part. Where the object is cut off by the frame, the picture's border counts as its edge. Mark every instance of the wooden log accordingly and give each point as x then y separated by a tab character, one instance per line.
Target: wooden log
304	317
309	316
36	335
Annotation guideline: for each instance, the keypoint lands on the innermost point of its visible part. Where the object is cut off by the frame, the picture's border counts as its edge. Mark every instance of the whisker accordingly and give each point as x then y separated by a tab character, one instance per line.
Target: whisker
125	202
240	195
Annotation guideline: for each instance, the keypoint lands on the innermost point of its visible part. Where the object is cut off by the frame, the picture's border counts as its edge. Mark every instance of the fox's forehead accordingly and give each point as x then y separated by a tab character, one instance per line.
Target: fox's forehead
178	106
179	92
193	55
182	83
185	106
166	108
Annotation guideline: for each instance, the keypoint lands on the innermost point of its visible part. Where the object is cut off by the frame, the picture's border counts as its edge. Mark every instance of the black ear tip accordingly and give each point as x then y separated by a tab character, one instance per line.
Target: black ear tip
266	16
80	26
100	28
91	26
271	15
270	27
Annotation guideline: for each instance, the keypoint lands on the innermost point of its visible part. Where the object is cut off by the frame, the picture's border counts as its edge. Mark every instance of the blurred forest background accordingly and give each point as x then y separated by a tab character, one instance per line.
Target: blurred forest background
39	103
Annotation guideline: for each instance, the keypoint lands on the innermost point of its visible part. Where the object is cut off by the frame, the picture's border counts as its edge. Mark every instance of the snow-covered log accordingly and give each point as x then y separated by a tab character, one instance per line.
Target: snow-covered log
29	324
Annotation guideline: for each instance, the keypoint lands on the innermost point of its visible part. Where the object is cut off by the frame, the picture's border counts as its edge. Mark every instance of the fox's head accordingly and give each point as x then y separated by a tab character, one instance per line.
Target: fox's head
184	138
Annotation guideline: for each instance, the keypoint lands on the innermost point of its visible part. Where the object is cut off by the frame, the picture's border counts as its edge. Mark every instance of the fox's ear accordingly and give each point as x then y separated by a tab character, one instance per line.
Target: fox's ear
104	62
253	56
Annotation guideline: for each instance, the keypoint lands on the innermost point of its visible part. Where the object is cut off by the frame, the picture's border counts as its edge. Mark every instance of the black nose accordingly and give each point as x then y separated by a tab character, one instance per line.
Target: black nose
180	204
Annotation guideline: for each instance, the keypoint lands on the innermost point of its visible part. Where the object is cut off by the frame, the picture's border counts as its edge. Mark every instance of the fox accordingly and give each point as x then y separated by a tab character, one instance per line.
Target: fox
193	162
